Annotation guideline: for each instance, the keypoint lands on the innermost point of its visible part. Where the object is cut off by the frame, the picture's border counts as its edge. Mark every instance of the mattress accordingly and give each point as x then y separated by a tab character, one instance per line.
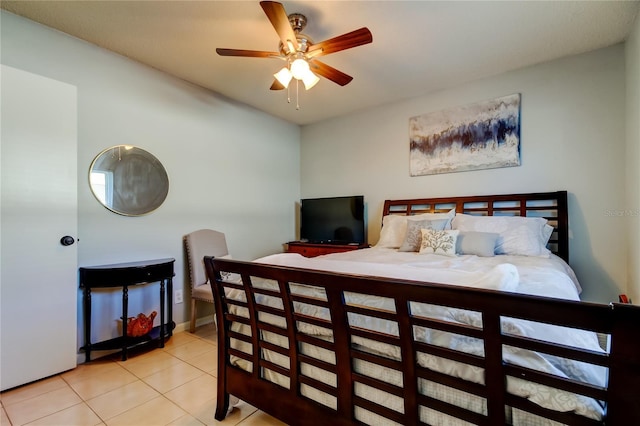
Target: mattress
541	276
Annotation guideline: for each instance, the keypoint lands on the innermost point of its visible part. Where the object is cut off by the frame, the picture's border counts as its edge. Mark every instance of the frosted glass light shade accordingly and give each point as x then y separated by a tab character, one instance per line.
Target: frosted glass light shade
284	76
299	68
310	80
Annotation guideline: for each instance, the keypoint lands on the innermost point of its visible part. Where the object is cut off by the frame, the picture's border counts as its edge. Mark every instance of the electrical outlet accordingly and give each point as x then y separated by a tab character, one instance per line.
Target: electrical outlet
177	297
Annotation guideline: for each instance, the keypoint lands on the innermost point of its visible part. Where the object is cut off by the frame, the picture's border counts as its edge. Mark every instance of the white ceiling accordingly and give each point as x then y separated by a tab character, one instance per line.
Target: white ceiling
418	46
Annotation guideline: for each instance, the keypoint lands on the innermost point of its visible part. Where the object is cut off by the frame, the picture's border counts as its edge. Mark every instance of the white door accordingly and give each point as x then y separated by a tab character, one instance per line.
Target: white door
38	206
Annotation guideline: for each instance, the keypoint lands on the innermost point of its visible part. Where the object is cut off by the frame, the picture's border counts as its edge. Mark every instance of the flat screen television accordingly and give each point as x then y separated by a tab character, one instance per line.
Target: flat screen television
333	220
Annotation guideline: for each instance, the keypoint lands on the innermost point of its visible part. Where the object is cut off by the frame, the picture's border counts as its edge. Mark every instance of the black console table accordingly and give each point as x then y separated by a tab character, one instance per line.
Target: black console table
124	275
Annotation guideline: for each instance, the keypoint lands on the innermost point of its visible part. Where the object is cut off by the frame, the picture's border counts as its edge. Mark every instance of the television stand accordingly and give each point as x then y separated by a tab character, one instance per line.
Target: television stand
317	249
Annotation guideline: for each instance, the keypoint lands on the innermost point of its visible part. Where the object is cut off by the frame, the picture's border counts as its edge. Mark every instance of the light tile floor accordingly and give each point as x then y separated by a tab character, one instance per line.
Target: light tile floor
174	385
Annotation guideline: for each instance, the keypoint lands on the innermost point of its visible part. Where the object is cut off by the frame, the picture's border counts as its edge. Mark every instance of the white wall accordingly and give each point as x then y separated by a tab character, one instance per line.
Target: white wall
572	138
632	51
231	167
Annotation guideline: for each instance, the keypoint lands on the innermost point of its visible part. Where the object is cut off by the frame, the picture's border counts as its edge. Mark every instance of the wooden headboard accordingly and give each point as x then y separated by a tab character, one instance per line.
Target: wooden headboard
549	205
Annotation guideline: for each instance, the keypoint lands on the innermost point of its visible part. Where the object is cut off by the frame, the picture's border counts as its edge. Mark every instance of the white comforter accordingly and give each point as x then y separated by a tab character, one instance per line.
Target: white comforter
528	275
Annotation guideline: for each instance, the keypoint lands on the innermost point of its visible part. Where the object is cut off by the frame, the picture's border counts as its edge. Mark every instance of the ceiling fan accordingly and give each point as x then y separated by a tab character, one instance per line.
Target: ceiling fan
299	51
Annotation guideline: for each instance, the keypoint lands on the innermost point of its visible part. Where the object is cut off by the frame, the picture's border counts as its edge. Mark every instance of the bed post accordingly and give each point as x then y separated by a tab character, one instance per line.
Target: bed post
624	374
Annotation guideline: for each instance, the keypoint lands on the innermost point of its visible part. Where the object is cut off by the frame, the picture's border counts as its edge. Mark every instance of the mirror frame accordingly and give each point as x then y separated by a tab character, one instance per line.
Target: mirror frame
128	180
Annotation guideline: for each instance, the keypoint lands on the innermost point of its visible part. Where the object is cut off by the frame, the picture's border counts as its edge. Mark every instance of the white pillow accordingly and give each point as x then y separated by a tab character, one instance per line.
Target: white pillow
439	242
394	227
433	216
525	236
393	230
547	231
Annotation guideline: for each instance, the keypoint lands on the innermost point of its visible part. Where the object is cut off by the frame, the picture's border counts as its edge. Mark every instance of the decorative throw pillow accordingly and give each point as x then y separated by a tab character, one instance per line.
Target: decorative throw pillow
413	236
439	242
394	226
478	243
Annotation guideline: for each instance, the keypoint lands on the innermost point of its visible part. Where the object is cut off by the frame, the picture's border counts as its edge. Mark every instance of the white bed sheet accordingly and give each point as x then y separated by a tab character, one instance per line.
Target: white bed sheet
550	277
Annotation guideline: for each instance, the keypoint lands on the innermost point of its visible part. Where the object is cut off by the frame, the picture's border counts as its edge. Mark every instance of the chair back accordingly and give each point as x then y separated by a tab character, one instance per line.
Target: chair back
201	243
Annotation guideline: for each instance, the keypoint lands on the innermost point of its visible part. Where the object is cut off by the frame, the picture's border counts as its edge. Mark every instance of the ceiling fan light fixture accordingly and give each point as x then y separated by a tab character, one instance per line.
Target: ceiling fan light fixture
310	80
300	68
298	50
284	76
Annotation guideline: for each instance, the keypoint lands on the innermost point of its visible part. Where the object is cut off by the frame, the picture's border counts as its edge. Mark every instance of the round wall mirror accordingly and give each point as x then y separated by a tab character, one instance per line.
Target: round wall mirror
128	180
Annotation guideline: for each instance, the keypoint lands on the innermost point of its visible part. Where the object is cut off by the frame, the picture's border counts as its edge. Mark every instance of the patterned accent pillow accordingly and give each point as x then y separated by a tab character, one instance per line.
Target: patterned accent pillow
394	227
413	236
439	242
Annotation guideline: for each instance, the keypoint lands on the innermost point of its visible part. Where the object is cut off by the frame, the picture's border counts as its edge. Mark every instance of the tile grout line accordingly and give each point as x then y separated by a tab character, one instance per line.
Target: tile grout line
84	402
210	339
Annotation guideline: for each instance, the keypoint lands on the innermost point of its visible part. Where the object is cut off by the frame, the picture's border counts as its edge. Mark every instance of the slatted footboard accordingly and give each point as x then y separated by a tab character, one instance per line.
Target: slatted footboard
291	344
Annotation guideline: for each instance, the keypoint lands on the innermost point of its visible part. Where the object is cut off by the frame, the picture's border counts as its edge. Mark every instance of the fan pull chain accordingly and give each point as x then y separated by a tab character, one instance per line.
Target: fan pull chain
297	94
288	93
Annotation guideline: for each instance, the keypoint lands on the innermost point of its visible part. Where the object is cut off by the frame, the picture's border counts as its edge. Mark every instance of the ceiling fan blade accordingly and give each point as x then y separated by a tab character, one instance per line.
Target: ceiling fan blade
342	42
280	21
247	53
330	73
276	85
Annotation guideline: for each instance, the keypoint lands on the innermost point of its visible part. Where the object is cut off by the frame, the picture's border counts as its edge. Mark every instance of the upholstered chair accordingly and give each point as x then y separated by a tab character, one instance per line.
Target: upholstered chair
198	244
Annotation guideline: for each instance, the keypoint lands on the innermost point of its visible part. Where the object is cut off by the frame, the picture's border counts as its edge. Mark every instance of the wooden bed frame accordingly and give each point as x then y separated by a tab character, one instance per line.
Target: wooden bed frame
621	323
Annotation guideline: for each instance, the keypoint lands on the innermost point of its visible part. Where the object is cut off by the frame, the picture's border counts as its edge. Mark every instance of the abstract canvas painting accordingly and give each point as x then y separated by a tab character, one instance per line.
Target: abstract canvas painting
484	135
